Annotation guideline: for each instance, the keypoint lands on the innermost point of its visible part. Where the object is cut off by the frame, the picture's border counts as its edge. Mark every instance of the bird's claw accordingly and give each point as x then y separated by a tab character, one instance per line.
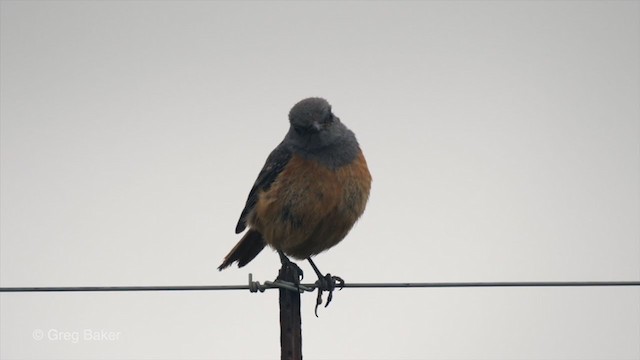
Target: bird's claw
286	263
298	274
327	283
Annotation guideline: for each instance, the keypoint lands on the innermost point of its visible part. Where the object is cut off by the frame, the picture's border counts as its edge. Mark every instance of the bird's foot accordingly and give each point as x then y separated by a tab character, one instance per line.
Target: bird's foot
327	283
298	274
287	264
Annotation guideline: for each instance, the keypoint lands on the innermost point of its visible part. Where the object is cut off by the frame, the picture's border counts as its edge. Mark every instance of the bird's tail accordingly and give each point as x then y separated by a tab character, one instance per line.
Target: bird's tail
245	250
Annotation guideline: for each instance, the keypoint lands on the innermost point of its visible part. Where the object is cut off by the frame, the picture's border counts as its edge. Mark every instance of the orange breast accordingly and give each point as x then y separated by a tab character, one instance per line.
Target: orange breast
309	207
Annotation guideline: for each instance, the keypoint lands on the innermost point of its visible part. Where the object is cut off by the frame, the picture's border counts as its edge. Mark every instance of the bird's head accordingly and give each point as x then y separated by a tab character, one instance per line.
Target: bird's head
313	125
311	116
315	132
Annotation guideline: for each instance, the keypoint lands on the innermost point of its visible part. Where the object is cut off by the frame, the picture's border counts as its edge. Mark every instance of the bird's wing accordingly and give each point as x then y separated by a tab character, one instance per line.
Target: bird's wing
274	165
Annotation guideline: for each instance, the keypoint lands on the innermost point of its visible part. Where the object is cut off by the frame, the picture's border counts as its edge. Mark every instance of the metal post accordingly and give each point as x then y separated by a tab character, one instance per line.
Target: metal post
290	322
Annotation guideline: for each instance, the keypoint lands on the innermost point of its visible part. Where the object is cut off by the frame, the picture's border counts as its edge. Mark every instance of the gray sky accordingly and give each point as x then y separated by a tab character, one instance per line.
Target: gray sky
503	138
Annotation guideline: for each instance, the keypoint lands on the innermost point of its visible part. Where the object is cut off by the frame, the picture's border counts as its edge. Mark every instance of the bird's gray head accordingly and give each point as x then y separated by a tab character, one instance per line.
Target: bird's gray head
311	116
316	132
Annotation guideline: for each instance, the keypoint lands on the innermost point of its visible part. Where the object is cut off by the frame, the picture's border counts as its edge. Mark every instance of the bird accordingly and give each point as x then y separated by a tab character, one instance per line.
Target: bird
312	189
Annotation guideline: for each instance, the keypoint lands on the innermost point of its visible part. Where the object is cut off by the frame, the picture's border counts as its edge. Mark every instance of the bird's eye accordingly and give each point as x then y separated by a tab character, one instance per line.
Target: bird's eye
328	118
302	130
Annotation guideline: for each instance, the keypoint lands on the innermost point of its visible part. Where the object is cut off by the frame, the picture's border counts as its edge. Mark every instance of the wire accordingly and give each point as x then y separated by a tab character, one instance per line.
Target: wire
255	286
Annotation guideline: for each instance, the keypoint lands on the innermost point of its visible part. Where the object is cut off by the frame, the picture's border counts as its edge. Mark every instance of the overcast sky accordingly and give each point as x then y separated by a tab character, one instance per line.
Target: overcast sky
503	139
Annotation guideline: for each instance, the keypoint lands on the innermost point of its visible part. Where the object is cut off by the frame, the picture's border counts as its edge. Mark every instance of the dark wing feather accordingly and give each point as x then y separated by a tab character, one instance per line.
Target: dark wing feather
274	165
